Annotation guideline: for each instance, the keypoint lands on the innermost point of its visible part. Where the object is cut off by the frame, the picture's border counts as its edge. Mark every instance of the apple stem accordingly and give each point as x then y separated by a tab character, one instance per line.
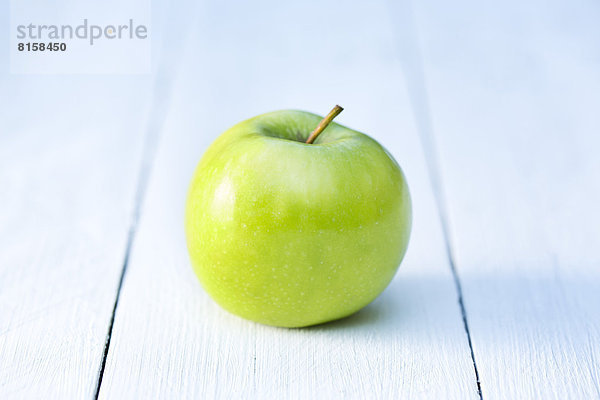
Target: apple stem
323	124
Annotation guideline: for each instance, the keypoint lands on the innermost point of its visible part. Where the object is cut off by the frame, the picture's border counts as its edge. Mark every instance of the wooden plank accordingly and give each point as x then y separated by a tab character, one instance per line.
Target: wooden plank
69	157
514	93
171	340
74	150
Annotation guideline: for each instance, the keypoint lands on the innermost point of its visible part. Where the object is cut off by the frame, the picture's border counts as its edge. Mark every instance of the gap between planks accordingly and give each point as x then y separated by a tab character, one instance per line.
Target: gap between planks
411	60
425	130
155	122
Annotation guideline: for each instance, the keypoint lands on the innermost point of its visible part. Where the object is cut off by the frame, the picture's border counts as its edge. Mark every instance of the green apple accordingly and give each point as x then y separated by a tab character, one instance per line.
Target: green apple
289	232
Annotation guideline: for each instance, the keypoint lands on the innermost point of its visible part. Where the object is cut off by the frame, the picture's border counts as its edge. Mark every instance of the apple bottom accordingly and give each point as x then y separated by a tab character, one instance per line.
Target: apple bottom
281	280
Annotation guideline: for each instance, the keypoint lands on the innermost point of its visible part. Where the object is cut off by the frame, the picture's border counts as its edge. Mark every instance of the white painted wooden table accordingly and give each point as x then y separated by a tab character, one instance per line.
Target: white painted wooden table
492	110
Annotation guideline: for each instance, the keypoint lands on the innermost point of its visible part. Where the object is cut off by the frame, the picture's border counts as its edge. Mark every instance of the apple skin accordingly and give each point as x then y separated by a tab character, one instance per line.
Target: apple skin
291	234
